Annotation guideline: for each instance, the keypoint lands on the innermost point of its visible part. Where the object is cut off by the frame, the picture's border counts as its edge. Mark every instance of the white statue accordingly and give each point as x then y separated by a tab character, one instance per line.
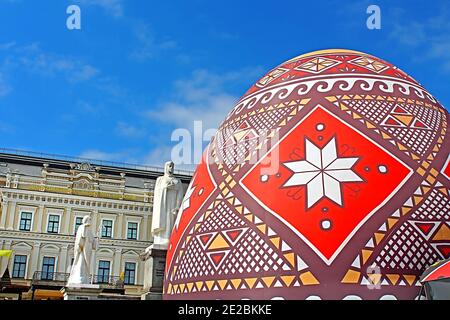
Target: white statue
85	242
167	198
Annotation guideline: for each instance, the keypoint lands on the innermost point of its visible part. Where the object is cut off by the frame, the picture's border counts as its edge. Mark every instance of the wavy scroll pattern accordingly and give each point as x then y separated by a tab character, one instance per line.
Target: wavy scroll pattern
326	85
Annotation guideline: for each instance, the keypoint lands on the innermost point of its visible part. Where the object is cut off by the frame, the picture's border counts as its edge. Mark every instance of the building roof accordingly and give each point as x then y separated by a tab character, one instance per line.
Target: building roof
31	164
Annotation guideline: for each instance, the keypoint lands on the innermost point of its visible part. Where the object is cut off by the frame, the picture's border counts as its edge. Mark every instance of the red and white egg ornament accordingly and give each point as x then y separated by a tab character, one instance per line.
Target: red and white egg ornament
329	179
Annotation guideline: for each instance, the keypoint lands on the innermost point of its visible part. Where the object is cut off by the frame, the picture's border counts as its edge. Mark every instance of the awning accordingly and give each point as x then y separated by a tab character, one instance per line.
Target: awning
48	294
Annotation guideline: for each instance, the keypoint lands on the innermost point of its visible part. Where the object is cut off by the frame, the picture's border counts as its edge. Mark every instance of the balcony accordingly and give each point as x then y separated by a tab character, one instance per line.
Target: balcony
49	279
56	280
111	282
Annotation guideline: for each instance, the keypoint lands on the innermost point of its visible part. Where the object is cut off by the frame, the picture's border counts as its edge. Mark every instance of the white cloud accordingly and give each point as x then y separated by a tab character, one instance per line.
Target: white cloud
11	1
5	88
94	154
148	45
224	35
409	34
203	97
84	72
129	131
160	155
155	158
89	108
428	39
114	91
211	110
7	45
112	7
33	59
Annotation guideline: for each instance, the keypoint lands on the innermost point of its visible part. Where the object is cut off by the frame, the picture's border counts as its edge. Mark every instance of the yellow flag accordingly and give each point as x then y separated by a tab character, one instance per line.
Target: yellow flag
5	253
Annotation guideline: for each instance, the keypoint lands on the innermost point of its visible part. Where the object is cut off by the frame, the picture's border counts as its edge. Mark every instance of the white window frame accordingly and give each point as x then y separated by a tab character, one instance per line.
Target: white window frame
137	231
51	213
98	265
112	228
48	255
26	264
24	210
135	271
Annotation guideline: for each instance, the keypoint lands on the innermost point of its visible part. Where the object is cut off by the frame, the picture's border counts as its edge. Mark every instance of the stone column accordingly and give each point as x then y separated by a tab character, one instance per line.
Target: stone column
144	227
4	214
140	271
62	265
116	264
12	215
120	226
95	220
34	259
66	220
39	217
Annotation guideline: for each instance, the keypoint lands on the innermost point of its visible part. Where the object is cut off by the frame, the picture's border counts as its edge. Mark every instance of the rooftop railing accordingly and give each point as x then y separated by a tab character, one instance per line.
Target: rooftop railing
103	163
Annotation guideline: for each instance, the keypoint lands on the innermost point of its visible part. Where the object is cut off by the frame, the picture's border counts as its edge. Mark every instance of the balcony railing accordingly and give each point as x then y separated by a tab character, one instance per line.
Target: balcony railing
109	282
50	278
43	278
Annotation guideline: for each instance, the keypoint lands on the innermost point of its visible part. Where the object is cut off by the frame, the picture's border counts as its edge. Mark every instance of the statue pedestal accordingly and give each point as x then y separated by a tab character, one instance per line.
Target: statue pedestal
81	292
154	273
92	292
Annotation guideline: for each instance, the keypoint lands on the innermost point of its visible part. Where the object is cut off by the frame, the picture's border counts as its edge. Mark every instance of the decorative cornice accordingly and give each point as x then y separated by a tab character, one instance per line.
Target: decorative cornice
84	166
44	198
9	236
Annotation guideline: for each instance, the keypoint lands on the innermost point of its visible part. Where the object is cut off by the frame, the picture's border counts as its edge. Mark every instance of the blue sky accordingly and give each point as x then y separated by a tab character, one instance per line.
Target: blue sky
116	89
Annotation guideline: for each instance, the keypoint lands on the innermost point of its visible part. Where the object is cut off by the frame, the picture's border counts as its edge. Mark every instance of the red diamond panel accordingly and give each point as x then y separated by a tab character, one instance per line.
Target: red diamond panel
330	180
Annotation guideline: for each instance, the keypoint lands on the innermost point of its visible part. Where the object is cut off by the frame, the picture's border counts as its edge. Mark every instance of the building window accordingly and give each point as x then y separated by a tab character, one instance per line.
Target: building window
48	268
78	222
107	228
132	231
19	266
53	223
103	271
130	273
25	221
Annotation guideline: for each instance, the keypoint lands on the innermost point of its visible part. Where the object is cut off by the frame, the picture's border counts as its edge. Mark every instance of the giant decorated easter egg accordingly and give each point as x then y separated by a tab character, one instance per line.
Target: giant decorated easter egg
329	179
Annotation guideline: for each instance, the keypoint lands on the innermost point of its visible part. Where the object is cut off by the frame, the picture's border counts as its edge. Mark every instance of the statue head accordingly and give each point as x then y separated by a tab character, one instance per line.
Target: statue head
168	168
86	220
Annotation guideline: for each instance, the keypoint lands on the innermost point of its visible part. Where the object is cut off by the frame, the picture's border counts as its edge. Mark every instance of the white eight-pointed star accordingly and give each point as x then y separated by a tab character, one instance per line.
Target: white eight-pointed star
322	172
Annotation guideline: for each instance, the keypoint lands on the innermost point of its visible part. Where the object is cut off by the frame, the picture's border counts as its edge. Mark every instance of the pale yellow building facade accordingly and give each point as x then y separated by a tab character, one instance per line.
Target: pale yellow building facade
42	202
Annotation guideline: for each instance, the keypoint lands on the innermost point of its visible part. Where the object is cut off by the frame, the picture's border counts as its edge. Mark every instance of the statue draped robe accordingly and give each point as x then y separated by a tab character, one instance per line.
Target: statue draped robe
85	242
167	198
